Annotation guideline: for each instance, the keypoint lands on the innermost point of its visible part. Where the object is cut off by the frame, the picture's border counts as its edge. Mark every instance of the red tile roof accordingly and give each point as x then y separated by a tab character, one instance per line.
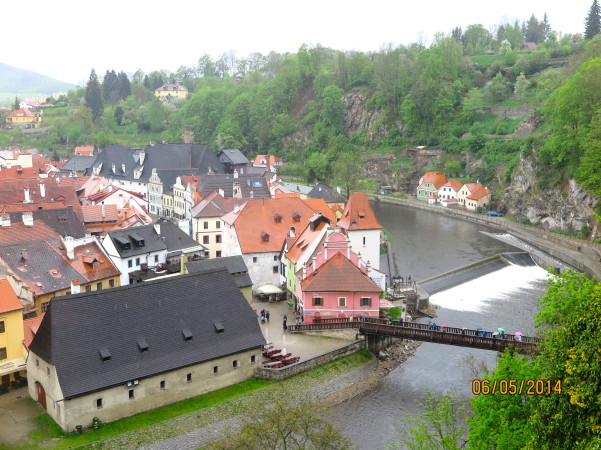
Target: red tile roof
319	205
436	178
478	192
84	258
94	213
338	274
84	151
271	160
304	240
8	299
23	112
456	185
214	205
30	328
256	225
358	214
18	172
19	232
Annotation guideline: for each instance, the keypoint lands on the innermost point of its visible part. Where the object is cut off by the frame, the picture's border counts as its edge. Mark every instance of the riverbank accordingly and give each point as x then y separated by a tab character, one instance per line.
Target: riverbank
583	256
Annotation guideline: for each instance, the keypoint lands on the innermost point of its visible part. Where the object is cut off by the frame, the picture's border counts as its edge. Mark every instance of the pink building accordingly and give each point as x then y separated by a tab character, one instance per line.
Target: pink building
335	283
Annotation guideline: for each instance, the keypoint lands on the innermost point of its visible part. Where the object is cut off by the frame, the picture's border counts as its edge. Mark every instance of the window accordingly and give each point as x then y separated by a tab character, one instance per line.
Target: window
131	394
98	403
130	263
88	288
156	258
215	369
137	262
163	384
218	224
365	301
37	362
364	238
253	359
276	269
218	239
341	301
3	354
189	377
99	286
205	225
254	259
205	239
207	255
47	370
317	301
45	307
111	283
2	326
235	364
131	281
218	254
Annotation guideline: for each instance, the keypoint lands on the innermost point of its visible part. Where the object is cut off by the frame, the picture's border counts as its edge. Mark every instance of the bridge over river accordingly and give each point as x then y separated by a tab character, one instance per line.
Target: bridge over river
423	332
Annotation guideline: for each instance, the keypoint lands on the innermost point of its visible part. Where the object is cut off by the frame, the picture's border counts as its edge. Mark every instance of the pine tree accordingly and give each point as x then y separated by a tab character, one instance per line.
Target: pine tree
593	21
124	85
93	95
17	104
110	87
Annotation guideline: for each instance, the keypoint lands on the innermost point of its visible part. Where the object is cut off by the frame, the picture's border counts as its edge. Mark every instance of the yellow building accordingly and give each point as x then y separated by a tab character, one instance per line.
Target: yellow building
474	196
12	352
24	118
170	92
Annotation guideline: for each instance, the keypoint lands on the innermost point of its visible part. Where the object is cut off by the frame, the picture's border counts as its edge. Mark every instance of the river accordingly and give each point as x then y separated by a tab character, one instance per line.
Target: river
426	244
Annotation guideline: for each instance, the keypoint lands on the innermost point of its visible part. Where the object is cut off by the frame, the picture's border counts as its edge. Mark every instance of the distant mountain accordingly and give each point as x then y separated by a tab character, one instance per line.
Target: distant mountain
17	81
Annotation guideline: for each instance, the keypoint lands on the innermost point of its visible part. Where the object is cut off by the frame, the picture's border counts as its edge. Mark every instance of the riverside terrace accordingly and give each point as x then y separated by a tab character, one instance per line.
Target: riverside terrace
423	332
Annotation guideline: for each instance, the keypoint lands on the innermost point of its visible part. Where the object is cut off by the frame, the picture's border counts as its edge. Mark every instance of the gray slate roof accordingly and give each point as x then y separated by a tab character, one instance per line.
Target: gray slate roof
234	264
233	156
295	187
248	183
62	220
40	265
76	328
327	193
152	241
174	238
78	163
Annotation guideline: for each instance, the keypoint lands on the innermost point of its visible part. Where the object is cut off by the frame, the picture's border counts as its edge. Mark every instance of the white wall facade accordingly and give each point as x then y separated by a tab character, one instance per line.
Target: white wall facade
367	243
148	393
151	258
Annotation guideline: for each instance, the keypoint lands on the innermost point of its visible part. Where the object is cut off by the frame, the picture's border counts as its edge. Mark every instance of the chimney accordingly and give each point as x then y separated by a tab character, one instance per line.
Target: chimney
187	139
338	189
237	192
248	181
103	211
27	197
292	232
236	173
252	194
75	287
236	209
28	219
5	220
42	190
70	247
142	156
221	192
123	167
24	255
113	167
157	228
120	205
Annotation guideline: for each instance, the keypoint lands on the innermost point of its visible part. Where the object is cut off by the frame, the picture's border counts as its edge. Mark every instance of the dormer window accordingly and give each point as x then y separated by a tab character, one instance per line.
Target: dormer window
277	218
219	328
105	354
264	237
361	213
123	242
187	334
139	240
142	345
296	217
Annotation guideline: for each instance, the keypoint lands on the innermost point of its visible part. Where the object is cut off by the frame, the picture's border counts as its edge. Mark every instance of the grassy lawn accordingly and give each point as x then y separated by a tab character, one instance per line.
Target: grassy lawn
485	60
48	430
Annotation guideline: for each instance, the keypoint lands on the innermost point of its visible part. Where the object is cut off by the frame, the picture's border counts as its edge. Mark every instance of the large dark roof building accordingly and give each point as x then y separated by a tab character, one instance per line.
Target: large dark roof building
134	348
234	186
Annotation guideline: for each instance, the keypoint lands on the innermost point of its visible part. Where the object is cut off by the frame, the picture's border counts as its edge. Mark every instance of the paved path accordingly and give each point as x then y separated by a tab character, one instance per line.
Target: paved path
17	416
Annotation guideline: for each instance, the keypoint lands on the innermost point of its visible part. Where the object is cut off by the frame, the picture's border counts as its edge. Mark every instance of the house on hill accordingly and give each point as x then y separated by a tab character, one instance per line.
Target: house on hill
24	118
113	354
474	196
171	92
428	186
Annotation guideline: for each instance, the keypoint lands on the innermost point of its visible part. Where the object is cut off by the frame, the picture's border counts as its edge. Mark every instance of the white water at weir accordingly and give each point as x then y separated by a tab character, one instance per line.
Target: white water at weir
477	294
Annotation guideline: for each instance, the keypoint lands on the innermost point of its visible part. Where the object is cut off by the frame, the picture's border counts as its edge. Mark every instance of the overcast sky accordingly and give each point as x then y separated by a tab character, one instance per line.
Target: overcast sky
65	39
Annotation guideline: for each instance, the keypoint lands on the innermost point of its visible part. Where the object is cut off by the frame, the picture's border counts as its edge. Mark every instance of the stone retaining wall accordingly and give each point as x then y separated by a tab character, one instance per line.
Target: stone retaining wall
301	366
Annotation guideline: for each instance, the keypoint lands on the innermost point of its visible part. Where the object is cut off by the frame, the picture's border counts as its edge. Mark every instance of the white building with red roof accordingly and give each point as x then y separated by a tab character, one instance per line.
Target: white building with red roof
363	229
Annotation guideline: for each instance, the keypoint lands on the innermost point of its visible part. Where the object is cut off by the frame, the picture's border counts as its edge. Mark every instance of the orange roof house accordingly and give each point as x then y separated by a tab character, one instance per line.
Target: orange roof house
84	151
474	196
268	161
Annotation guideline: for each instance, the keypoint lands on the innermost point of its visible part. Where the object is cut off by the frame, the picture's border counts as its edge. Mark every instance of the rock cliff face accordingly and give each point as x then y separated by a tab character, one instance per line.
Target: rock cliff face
358	118
566	208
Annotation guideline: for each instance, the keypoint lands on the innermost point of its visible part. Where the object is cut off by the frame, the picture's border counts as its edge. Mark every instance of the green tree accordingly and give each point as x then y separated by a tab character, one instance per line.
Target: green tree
124	86
452	168
281	424
110	87
570	354
156	115
93	95
347	172
17	103
501	420
476	39
505	47
521	85
333	106
593	21
119	115
439	425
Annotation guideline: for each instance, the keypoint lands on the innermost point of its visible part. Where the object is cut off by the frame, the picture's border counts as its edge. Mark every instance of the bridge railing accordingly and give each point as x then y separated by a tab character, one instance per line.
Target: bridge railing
346	322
